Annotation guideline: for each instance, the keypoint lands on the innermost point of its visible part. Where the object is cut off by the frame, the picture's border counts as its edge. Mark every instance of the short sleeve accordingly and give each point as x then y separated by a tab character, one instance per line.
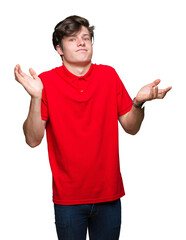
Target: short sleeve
44	104
124	101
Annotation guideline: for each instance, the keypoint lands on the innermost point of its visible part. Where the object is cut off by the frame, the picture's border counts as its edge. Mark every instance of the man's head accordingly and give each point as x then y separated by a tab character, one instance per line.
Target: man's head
72	39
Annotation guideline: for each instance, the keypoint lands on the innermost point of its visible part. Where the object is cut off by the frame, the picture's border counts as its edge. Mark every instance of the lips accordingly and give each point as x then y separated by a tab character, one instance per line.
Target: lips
82	49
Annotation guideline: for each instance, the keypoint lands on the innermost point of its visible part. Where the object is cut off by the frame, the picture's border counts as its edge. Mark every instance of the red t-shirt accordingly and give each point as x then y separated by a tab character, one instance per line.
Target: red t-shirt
82	133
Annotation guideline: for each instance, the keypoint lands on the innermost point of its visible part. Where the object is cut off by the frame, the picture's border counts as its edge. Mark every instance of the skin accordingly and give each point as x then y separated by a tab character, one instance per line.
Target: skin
77	54
131	121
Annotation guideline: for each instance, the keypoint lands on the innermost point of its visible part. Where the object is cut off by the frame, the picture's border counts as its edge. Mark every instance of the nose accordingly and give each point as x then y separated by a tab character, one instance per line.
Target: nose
80	42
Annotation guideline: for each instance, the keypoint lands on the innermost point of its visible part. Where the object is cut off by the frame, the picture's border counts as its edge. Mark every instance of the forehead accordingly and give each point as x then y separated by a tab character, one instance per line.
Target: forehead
82	32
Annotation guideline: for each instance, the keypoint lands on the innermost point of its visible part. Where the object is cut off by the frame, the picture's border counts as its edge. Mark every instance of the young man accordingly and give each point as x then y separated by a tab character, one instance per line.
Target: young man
79	104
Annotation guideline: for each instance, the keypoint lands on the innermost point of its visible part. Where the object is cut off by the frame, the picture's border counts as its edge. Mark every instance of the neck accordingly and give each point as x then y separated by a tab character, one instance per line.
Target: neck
77	69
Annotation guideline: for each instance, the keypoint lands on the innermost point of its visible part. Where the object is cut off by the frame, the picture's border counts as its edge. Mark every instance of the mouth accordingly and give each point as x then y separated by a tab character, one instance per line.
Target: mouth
81	50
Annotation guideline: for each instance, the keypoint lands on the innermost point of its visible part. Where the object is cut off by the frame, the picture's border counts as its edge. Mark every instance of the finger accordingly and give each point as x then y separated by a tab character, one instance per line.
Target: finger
168	89
16	68
16	73
20	76
20	72
33	73
155	83
155	92
163	92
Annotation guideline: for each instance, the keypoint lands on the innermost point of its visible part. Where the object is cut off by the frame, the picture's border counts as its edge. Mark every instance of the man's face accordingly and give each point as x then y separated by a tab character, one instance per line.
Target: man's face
77	48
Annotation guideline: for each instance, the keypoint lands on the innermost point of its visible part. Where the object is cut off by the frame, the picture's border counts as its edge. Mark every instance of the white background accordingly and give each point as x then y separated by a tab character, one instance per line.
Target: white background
143	40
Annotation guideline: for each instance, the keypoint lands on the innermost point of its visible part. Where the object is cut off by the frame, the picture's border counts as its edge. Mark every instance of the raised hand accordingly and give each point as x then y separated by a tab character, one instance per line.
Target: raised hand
33	85
150	92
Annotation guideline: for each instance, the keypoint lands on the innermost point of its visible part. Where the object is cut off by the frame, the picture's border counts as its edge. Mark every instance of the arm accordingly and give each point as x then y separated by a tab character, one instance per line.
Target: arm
131	121
33	126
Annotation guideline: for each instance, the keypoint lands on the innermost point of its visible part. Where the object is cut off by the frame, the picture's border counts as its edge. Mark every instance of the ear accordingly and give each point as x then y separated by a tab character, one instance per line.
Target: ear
59	50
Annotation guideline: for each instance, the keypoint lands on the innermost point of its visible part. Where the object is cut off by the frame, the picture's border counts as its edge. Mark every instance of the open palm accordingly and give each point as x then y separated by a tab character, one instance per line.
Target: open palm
33	85
151	91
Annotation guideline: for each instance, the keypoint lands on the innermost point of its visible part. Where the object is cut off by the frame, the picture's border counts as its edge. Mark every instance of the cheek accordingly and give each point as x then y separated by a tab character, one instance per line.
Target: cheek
67	52
91	48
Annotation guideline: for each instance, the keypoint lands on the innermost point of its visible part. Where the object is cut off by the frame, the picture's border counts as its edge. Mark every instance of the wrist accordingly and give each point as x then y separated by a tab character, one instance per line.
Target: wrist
35	99
137	104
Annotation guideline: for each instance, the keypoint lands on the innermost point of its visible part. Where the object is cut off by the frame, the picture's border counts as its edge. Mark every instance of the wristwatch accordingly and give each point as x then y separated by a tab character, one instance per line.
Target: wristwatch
137	106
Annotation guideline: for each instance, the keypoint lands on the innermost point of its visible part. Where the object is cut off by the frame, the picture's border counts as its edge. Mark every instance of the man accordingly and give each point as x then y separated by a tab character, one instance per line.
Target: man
79	104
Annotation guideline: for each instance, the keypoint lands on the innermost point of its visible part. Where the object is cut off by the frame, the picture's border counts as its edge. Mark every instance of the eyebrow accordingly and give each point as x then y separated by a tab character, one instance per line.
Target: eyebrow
75	35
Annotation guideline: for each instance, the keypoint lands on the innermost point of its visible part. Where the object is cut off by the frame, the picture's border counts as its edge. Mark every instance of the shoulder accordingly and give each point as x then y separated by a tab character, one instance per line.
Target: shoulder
104	67
105	70
46	75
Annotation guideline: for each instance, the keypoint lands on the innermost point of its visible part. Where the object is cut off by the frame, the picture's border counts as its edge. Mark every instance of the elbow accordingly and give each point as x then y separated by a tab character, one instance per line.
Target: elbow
32	144
132	132
33	139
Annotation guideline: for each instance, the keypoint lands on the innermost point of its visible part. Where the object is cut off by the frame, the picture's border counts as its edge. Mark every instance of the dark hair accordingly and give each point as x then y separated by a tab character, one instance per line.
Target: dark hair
69	26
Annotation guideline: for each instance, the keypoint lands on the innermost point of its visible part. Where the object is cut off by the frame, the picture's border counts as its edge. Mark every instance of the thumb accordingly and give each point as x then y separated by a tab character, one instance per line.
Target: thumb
33	73
155	83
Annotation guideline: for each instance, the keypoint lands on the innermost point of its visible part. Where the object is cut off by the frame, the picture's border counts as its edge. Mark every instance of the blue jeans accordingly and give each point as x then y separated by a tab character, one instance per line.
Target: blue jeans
103	221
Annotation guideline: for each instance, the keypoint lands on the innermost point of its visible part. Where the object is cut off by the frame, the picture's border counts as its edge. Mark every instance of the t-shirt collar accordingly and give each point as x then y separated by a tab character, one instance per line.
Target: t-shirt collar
72	77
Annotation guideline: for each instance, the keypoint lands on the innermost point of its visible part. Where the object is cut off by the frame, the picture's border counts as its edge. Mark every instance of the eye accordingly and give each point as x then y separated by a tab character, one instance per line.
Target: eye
72	39
86	39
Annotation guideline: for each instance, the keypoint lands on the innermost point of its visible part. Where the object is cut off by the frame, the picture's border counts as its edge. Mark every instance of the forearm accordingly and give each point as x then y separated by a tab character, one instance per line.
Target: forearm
33	127
133	120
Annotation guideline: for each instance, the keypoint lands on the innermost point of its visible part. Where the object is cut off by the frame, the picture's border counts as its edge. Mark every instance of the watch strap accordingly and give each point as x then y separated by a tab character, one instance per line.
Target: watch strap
136	105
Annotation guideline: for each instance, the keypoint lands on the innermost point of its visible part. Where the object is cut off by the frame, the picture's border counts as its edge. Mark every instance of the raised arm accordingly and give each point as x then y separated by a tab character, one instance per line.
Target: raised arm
33	126
131	121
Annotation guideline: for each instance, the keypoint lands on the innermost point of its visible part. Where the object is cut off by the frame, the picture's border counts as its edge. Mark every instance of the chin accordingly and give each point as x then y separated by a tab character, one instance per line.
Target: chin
84	62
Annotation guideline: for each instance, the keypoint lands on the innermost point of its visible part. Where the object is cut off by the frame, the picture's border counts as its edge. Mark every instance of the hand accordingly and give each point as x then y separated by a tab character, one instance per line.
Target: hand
33	85
150	92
